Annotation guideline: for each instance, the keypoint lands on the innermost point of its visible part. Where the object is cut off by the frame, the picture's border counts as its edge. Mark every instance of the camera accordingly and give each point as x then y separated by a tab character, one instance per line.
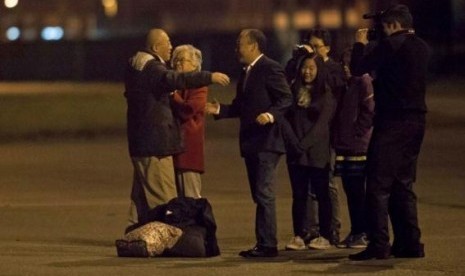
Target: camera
377	31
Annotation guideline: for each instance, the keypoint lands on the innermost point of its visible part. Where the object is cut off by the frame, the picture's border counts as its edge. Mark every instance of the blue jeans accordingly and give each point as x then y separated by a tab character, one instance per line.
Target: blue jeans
261	172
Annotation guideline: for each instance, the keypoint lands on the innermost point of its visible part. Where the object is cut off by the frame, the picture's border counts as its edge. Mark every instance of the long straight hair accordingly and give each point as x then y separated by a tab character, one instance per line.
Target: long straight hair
319	83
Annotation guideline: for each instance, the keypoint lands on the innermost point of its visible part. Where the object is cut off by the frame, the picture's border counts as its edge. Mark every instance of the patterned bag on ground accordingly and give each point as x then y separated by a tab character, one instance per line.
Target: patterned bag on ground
155	236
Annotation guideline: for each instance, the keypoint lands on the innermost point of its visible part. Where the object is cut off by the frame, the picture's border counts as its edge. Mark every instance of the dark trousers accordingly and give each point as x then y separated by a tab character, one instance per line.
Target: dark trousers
261	171
335	214
391	172
304	180
354	188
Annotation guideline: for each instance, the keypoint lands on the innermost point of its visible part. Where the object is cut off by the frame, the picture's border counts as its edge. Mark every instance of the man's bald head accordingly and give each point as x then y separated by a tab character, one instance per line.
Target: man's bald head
158	42
154	37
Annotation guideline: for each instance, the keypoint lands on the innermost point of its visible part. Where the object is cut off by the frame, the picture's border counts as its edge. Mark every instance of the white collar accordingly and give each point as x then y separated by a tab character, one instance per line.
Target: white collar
255	61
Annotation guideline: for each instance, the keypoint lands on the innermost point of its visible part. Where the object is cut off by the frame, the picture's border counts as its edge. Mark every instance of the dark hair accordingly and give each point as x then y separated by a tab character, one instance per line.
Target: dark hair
320	33
400	13
346	56
319	84
259	37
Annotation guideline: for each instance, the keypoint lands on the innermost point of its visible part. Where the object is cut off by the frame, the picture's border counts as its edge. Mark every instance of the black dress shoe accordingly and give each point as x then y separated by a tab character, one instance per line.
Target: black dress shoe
370	253
411	252
260	252
334	237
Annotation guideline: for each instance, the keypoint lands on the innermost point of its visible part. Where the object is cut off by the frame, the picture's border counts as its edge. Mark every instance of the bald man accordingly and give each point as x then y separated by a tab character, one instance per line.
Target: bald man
153	133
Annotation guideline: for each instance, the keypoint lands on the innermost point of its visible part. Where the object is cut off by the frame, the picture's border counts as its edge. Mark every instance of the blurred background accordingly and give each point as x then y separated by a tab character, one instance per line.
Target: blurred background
62	61
91	40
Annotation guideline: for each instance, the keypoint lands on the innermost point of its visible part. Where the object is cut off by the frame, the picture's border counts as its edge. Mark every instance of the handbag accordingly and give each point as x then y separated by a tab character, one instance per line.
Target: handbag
149	240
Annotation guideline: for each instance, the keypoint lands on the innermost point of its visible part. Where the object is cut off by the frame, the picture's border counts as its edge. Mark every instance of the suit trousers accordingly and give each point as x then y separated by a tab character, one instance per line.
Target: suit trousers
153	184
391	172
261	172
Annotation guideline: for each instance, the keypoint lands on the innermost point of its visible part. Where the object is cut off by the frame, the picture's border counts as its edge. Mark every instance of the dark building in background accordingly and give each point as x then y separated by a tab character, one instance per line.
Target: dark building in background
91	39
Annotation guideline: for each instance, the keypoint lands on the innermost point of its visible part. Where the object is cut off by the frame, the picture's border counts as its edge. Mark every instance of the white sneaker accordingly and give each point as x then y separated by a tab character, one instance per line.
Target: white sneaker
319	243
296	243
358	241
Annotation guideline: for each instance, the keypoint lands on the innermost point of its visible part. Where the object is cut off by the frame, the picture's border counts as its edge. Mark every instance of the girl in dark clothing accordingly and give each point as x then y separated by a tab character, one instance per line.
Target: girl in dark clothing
352	131
306	130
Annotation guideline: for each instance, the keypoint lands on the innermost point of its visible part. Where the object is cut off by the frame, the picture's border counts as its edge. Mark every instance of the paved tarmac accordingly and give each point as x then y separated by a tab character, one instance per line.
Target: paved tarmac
63	203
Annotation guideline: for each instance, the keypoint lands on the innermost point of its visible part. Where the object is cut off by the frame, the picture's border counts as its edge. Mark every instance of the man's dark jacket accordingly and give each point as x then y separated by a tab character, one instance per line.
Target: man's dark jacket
151	127
266	90
400	62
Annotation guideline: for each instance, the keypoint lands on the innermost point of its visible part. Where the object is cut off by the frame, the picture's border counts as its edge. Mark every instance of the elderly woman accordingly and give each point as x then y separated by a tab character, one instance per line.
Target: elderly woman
188	105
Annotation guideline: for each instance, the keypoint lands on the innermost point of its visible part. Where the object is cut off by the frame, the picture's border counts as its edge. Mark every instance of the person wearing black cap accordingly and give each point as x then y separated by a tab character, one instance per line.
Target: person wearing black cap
400	62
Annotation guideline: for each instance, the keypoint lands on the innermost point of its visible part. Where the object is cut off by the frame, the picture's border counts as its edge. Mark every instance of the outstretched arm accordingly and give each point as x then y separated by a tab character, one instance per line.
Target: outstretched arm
179	81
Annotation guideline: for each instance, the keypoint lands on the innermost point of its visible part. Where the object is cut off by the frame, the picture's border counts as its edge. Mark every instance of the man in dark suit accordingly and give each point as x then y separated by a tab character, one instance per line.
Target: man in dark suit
153	132
263	95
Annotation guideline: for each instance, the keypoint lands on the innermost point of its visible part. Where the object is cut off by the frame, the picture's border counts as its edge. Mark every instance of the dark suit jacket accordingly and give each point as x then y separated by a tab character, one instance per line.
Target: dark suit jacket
265	90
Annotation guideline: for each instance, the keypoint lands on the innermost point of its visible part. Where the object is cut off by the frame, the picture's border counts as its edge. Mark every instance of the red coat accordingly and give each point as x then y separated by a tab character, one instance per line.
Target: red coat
189	107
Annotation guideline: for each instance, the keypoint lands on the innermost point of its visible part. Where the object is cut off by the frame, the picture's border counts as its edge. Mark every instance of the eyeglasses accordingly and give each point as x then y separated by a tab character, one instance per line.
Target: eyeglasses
182	60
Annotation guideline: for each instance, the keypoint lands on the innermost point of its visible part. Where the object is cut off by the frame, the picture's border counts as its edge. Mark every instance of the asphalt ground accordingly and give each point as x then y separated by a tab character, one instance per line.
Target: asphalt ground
64	203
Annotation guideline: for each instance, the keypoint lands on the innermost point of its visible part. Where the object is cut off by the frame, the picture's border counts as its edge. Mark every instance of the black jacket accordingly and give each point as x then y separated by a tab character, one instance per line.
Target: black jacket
311	124
266	90
400	64
336	77
152	129
195	218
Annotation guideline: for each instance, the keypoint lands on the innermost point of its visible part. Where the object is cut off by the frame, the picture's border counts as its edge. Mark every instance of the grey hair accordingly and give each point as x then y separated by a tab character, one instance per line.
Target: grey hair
193	53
